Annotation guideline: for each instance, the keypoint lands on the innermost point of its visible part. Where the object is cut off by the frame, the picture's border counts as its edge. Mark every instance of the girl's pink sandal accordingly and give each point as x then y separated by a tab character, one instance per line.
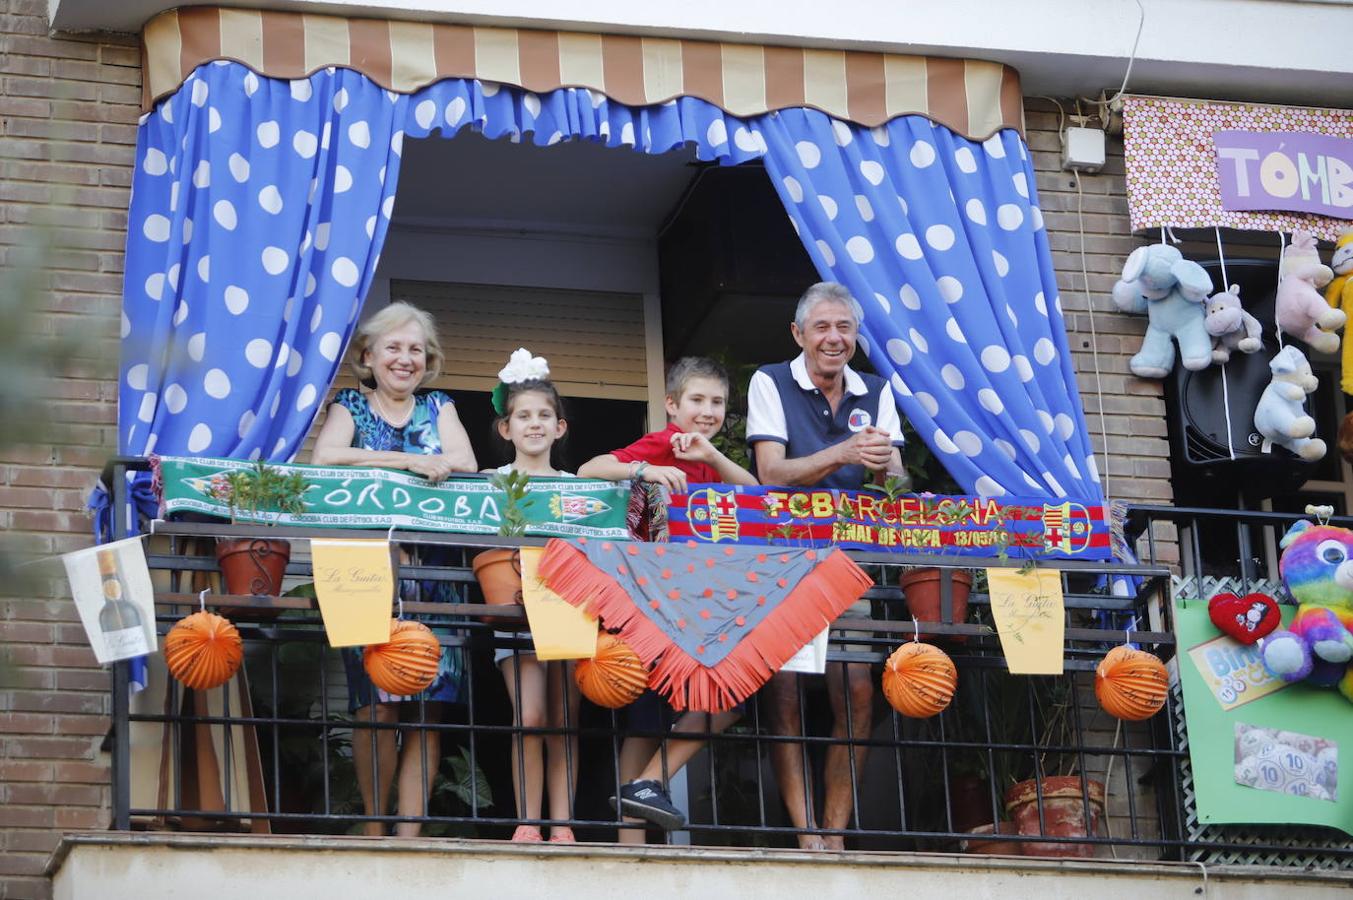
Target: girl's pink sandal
527	834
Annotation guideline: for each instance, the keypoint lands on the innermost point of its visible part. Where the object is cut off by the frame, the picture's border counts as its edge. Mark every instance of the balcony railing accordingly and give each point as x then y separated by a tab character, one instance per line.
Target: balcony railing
924	784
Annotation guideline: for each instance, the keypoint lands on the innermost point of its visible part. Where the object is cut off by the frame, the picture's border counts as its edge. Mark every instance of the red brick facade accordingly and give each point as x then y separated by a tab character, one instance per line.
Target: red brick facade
68	113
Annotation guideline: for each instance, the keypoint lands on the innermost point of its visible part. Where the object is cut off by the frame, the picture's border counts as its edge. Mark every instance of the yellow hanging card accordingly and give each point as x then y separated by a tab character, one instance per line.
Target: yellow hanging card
355	584
560	629
1030	618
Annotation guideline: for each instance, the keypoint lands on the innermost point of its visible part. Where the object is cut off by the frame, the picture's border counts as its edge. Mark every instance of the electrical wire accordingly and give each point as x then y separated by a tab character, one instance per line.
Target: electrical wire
1094	334
1132	56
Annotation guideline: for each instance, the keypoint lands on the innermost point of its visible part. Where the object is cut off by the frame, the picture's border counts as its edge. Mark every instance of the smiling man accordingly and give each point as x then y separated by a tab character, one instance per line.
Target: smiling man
816	422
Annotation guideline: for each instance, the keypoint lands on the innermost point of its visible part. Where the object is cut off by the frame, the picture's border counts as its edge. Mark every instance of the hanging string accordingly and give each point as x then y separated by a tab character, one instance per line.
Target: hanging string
1162	234
1225	386
1276	327
1221	258
915	630
202	600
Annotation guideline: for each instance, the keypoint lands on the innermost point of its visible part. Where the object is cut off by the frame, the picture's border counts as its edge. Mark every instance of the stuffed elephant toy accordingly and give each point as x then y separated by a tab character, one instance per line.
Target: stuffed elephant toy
1281	415
1171	290
1230	326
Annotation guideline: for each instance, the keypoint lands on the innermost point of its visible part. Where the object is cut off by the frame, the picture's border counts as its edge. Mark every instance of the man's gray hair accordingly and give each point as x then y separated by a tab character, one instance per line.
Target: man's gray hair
823	292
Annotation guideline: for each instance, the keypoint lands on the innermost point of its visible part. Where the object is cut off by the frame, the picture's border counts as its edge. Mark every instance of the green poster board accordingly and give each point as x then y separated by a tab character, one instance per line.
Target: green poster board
1269	735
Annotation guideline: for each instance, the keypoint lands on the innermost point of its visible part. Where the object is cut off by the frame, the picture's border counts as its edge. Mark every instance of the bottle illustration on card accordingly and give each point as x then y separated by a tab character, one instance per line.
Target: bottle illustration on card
120	621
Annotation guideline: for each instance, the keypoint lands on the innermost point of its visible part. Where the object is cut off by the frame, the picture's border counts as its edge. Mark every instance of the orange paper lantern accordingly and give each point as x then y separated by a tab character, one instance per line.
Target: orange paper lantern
406	664
1131	684
919	680
615	677
203	650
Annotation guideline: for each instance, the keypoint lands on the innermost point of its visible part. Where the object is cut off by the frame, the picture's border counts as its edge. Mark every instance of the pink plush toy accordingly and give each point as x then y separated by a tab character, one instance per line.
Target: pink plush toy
1302	311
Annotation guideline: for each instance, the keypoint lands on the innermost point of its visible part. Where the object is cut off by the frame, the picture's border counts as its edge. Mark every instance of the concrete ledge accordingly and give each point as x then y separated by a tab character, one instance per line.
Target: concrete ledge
137	865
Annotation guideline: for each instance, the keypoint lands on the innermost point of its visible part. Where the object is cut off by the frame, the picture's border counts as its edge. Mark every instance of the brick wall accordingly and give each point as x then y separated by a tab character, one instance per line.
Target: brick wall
68	111
1125	414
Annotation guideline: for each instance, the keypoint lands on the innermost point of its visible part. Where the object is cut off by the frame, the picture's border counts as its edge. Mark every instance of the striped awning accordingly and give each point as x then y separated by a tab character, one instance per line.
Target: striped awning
972	97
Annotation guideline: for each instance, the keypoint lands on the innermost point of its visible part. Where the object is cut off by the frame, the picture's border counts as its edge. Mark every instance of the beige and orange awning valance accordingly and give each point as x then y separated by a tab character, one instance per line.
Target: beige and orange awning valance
972	97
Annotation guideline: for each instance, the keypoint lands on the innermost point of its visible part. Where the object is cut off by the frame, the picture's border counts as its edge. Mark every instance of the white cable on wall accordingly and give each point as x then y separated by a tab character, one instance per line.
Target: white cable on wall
1132	56
1094	334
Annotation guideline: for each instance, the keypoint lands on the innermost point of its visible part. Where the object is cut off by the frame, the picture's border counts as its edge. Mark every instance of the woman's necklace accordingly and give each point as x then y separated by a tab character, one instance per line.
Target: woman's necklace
396	422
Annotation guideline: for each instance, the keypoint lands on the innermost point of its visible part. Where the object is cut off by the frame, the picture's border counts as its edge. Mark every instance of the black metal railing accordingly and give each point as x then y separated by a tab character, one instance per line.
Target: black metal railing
913	784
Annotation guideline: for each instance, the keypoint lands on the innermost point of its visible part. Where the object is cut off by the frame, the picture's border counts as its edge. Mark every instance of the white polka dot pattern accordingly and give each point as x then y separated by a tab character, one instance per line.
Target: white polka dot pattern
959	271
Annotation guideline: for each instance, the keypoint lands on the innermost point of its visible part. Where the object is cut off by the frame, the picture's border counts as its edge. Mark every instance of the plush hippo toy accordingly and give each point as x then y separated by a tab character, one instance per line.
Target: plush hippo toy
1231	327
1159	281
1301	311
1281	415
1317	645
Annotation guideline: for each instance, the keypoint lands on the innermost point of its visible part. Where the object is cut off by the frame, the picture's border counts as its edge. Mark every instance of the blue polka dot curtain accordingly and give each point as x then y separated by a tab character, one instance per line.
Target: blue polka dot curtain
258	213
942	241
258	210
260	206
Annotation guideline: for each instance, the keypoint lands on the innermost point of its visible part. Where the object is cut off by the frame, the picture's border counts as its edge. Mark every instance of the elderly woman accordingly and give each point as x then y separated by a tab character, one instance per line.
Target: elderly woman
396	426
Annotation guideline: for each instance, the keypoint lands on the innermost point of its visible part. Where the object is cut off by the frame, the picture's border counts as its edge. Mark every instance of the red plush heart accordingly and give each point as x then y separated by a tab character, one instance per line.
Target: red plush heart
1247	618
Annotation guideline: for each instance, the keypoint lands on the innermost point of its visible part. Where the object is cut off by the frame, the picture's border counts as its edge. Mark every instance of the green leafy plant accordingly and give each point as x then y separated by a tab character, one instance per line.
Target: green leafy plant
731	440
261	489
515	486
463	781
925	469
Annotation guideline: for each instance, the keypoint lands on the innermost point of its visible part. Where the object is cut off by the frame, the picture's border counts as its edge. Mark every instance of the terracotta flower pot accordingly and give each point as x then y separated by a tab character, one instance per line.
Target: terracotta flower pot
1064	810
499	575
254	567
976	844
921	587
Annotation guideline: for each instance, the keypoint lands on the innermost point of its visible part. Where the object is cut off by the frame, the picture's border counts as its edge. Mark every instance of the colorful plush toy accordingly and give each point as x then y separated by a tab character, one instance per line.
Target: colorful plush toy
1281	416
1231	327
1302	312
1317	645
1339	295
1159	281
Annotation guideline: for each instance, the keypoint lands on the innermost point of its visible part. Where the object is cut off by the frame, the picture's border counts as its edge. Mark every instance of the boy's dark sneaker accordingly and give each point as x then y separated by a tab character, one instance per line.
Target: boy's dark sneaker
648	800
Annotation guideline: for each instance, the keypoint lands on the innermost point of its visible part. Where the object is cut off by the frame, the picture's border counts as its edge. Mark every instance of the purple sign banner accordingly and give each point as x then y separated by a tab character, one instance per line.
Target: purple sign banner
1290	170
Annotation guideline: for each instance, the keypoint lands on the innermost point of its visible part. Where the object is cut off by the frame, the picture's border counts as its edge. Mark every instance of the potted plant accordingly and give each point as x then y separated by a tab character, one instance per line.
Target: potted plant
499	571
1038	792
922	585
1044	793
252	565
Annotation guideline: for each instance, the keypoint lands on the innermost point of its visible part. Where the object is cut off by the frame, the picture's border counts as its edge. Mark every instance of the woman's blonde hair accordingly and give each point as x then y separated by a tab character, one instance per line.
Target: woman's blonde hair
396	315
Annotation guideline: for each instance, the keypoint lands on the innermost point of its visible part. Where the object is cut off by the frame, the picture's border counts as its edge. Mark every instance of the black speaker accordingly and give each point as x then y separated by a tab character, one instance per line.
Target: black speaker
1197	402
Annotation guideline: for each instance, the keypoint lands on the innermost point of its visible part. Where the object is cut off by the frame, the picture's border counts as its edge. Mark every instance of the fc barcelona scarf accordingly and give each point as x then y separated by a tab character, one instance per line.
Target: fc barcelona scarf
713	623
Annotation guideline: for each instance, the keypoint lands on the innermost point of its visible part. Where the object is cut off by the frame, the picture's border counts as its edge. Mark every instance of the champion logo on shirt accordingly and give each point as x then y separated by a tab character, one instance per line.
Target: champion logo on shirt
859	420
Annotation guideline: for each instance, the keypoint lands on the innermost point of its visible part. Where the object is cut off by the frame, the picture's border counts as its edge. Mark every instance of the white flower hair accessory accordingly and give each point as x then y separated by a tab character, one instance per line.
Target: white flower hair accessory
521	366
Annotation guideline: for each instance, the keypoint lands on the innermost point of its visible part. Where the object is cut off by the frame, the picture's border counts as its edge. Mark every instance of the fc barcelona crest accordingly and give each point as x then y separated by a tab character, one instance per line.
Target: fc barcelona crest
713	515
1066	528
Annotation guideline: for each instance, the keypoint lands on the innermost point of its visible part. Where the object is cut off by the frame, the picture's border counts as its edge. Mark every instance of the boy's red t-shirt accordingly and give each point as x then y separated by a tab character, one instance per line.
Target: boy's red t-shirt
655	449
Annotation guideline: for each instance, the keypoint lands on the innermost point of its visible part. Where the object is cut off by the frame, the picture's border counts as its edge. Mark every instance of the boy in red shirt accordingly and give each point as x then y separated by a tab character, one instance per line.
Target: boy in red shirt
697	397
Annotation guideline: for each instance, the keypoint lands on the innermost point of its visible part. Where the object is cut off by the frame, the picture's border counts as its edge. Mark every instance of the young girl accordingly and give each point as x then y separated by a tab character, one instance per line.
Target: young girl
530	420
